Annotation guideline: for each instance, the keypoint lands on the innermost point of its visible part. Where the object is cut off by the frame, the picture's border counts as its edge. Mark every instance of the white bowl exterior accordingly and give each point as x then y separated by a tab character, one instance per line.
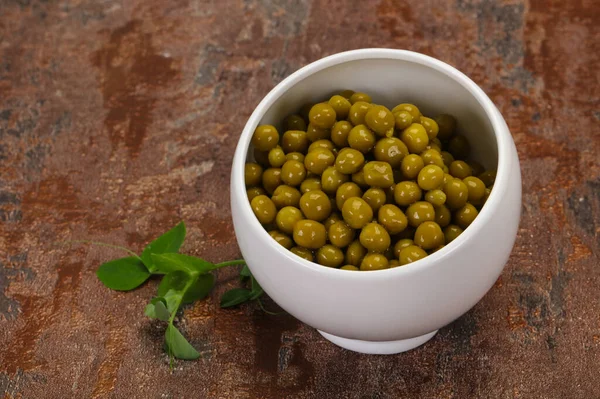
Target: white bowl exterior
415	299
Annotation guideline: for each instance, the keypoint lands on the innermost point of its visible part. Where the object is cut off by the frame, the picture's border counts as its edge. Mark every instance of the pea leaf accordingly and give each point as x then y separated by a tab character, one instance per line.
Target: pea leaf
245	272
256	289
172	287
123	274
200	288
157	309
178	346
169	242
235	297
167	263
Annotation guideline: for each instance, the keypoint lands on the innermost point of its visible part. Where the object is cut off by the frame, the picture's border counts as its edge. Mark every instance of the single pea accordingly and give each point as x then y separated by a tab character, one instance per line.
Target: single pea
294	122
447	158
315	133
361	138
488	177
355	253
402	119
392	218
345	191
378	174
255	192
451	232
349	267
476	188
261	157
359	178
375	237
340	234
281	239
391	150
294	156
411	166
340	132
294	141
349	161
287	217
334	217
346	93
447	177
401	244
265	138
304	110
332	179
310	234
435	197
310	184
431	127
407	193
415	137
358	111
271	179
322	115
465	215
323	144
374	262
420	212
375	197
293	173
330	256
429	235
286	196
380	120
264	209
253	174
358	97
460	169
315	205
394	263
317	160
459	147
303	253
340	105
410	254
443	217
356	212
457	194
447	126
411	109
277	157
430	177
432	157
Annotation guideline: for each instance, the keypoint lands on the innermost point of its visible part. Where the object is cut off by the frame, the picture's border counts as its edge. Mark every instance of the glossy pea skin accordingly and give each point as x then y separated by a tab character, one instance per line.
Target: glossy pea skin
359	178
315	205
360	97
294	122
378	174
451	232
446	125
323	143
432	157
435	197
407	193
345	191
340	132
374	261
349	161
332	179
303	253
411	165
294	156
334	217
294	141
431	127
322	115
375	238
349	267
355	253
459	147
293	173
443	216
380	120
310	184
460	169
255	192
277	157
375	197
286	196
476	188
287	217
429	235
264	209
391	150
310	234
430	177
265	137
410	254
315	133
457	194
412	109
319	159
401	244
281	239
358	111
357	213
419	212
330	256
402	119
464	216
393	263
392	218
271	179
341	106
340	234
361	138
415	137
252	174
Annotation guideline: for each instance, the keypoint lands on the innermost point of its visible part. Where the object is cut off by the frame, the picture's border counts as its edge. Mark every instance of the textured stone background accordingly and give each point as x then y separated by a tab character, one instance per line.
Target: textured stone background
119	118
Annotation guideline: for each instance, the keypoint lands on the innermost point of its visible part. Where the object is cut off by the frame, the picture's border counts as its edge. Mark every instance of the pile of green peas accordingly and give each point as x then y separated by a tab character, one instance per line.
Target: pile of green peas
354	185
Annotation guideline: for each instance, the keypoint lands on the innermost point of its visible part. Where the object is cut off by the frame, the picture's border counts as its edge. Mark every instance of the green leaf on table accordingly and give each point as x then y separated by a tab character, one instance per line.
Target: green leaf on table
157	309
172	287
123	274
200	288
257	290
235	297
178	346
245	272
169	242
170	262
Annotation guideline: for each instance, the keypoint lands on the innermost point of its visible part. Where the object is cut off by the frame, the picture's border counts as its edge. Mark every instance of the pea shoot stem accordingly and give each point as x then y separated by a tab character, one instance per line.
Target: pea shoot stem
229	263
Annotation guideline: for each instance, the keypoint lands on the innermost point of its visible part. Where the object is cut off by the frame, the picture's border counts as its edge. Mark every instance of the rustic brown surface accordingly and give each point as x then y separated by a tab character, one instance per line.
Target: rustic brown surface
118	119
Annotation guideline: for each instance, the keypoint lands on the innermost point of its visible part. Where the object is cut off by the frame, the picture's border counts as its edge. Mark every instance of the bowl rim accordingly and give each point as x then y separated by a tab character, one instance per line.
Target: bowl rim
499	127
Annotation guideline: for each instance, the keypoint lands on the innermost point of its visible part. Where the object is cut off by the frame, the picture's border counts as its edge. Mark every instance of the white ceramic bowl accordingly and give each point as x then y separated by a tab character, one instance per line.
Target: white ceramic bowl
393	310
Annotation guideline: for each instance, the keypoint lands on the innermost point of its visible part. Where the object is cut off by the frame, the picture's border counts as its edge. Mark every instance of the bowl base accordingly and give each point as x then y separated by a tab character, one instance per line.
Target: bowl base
378	347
